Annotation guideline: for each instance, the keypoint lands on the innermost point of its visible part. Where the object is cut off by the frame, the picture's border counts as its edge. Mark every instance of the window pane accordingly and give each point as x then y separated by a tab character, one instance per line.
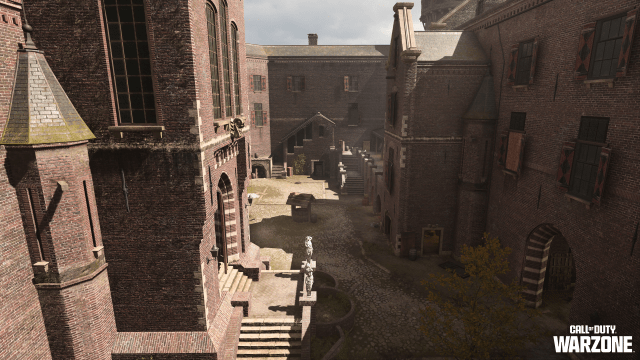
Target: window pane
606	65
125	116
141	32
138	14
138	116
130	49
145	67
149	101
134	84
147	85
136	101
608	49
121	83
125	13
604	31
116	50
597	66
600	51
143	50
123	101
615	26
151	115
114	31
128	32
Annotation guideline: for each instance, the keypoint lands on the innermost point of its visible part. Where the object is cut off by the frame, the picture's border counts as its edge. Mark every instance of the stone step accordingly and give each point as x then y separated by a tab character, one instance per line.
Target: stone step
222	277
236	282
276	336
284	320
269	344
296	328
243	282
230	278
247	285
268	353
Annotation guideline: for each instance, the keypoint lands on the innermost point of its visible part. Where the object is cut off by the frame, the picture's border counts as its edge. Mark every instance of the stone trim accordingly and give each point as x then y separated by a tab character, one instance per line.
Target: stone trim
60	286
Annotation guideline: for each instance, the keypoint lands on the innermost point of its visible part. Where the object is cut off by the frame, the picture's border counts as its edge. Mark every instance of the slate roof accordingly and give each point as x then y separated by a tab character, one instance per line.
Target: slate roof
320	50
305	123
303	200
255	50
378	132
483	106
450	46
41	112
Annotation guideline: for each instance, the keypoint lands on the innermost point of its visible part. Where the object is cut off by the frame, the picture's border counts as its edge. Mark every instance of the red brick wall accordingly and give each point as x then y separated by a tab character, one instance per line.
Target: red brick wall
600	237
23	334
261	135
324	93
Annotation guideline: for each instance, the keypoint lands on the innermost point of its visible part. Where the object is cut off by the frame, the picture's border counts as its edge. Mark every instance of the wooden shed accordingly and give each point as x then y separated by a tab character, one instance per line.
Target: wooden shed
300	206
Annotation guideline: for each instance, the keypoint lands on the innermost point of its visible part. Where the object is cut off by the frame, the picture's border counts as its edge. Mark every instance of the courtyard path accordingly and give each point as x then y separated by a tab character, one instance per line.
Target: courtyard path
388	303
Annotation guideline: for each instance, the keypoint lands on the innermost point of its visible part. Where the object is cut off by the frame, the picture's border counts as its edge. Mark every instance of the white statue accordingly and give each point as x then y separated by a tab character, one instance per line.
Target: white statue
309	247
308	278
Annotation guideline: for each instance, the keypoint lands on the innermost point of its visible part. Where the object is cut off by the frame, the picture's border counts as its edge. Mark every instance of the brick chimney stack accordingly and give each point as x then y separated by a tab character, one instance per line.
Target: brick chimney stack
313	39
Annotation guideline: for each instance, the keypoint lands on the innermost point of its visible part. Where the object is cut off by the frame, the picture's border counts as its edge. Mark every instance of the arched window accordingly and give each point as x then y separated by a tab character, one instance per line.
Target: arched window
226	66
236	77
130	60
213	60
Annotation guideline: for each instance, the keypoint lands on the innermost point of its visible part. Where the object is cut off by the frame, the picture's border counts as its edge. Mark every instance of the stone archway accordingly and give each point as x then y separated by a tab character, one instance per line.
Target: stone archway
547	265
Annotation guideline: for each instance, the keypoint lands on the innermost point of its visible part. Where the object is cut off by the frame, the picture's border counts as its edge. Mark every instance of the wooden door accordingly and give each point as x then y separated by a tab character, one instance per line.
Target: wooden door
431	241
559	271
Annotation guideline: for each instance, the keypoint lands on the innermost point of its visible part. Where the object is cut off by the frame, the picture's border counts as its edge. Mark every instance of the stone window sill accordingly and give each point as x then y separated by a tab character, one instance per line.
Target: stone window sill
119	131
586	203
523	87
610	82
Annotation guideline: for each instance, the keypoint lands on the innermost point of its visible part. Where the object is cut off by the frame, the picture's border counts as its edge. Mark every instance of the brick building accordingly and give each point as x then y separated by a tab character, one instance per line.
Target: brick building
318	96
521	123
149	179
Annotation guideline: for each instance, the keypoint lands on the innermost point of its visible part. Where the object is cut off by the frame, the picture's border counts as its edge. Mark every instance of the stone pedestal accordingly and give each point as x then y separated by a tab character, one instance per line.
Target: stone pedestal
304	263
308	322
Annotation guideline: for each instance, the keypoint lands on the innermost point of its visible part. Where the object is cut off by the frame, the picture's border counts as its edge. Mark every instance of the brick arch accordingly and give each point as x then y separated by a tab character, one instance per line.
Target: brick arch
534	264
228	219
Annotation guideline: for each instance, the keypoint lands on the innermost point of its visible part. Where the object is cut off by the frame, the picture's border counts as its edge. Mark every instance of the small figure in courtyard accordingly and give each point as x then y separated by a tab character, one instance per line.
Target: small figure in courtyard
309	247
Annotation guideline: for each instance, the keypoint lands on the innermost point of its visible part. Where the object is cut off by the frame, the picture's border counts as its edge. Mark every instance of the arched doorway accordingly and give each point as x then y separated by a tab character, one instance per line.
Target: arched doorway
376	205
224	227
548	270
259	171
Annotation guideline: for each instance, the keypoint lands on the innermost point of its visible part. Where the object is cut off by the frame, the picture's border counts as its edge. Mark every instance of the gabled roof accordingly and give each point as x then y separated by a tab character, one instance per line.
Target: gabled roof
450	46
303	200
41	112
320	50
315	117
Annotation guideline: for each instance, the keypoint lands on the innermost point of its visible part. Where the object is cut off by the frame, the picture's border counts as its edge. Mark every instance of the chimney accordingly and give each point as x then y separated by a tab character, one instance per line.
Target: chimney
313	39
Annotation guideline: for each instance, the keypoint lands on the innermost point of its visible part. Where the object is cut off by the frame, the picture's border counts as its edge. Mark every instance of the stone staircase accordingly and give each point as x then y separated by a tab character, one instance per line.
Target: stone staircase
273	338
278	171
233	280
355	183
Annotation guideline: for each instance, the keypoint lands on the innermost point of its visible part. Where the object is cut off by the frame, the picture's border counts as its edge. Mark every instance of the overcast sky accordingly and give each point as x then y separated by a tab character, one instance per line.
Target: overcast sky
337	22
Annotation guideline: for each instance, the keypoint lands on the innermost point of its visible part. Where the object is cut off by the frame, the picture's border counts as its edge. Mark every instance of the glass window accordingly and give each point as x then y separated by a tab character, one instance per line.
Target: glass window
213	61
607	43
226	65
236	77
130	61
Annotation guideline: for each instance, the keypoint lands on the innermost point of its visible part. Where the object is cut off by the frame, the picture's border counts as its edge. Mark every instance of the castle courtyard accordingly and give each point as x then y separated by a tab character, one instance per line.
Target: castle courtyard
347	244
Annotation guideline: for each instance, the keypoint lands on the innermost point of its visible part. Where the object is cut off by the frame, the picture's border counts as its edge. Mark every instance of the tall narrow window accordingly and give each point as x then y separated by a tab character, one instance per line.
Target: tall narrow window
236	76
257	107
607	43
525	54
130	60
257	83
225	60
213	60
591	138
86	199
35	223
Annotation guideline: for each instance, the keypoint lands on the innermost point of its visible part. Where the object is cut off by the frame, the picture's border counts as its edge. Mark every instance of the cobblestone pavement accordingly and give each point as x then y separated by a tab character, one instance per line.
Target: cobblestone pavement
387	319
388	305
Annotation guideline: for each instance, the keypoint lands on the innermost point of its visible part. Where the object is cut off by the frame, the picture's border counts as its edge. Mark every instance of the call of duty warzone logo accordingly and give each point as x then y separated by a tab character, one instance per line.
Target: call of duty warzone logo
593	339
